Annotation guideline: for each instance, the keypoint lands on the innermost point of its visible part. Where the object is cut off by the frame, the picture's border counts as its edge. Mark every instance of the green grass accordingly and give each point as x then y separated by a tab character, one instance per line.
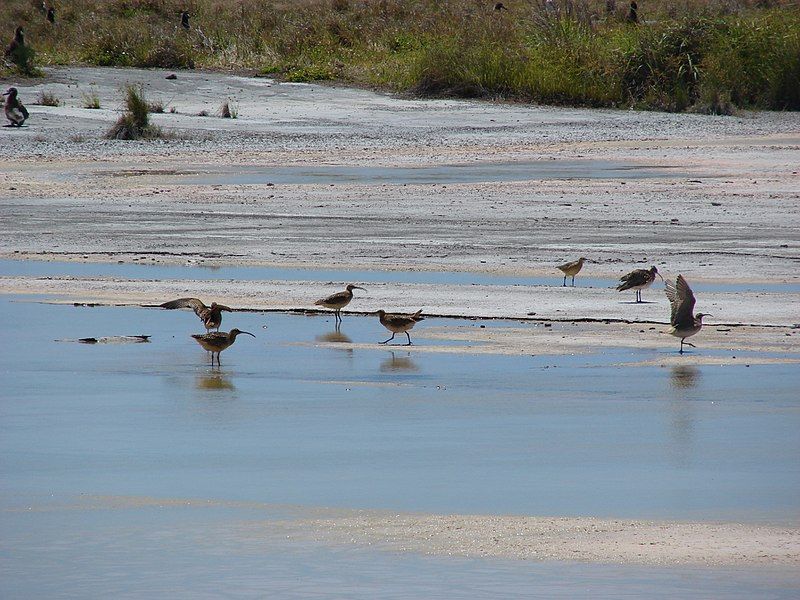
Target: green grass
134	123
703	55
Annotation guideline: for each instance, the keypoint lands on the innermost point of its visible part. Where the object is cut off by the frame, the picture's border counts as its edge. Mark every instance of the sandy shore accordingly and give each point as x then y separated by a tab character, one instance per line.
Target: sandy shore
574	539
711	197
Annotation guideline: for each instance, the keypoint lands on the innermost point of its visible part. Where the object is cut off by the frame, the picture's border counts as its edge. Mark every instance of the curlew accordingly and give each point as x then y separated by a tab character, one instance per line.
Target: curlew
572	269
638	280
339	300
16	113
211	316
217	341
684	324
399	323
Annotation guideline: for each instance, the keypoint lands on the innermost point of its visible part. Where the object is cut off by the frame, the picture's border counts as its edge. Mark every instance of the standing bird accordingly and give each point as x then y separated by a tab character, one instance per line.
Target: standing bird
633	13
339	300
15	111
217	341
399	323
17	43
211	316
185	19
638	280
682	300
51	15
572	269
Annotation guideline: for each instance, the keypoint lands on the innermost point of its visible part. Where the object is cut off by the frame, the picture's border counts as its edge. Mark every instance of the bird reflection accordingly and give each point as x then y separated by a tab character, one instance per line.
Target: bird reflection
684	377
214	380
336	336
398	364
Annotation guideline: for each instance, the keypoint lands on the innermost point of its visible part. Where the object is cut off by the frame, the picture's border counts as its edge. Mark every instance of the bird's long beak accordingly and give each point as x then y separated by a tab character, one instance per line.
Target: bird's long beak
248	333
659	274
358	287
6	93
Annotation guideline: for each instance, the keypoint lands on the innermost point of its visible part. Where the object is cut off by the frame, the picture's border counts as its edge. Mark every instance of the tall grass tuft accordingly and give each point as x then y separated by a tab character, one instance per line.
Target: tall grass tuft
48	99
134	123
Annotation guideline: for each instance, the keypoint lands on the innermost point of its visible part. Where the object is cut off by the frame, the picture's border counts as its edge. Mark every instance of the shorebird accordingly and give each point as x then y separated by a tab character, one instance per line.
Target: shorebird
682	300
185	19
18	41
399	323
572	269
16	113
339	300
217	341
211	316
638	280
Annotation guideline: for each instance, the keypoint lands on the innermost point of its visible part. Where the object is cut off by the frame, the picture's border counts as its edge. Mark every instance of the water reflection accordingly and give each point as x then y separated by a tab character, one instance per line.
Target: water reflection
683	380
214	380
684	377
336	337
396	364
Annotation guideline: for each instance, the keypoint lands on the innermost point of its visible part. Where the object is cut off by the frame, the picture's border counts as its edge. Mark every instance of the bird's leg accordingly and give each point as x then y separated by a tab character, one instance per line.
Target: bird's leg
409	339
387	341
692	345
573	281
565	281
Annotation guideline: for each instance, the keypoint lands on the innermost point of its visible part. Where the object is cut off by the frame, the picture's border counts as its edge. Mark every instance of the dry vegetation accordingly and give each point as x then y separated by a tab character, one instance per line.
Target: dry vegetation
709	55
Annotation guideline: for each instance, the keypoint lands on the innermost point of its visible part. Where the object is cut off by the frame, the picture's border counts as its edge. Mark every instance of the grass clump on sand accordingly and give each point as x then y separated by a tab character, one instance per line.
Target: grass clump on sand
134	123
702	55
90	100
48	99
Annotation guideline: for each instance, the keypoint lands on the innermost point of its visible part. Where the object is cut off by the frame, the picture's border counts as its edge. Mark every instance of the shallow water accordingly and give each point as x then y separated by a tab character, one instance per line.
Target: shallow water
285	420
438	174
29	268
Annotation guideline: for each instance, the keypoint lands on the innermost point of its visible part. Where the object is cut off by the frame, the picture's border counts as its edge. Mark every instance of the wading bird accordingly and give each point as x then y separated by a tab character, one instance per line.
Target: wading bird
339	300
684	324
211	316
16	113
217	341
638	280
572	269
399	323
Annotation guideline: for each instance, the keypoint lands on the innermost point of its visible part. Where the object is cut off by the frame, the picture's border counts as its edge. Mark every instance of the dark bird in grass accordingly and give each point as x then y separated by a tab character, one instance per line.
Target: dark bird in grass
571	269
16	113
211	316
185	19
684	323
17	43
51	15
633	13
217	341
499	7
638	280
339	300
399	323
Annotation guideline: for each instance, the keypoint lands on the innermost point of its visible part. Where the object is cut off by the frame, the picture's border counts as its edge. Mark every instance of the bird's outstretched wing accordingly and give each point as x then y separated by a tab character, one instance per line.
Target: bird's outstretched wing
682	301
193	303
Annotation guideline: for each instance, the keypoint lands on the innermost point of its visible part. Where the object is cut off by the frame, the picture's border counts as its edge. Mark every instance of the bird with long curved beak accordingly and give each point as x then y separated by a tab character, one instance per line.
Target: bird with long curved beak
217	341
638	280
684	324
16	113
339	300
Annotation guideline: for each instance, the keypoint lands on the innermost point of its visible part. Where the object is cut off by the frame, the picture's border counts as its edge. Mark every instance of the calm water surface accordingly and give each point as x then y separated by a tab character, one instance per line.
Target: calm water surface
285	421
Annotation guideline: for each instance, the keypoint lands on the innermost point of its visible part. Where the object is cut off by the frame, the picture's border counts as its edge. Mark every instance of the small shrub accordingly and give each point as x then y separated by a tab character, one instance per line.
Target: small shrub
202	113
156	106
48	99
23	58
134	123
309	73
90	99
